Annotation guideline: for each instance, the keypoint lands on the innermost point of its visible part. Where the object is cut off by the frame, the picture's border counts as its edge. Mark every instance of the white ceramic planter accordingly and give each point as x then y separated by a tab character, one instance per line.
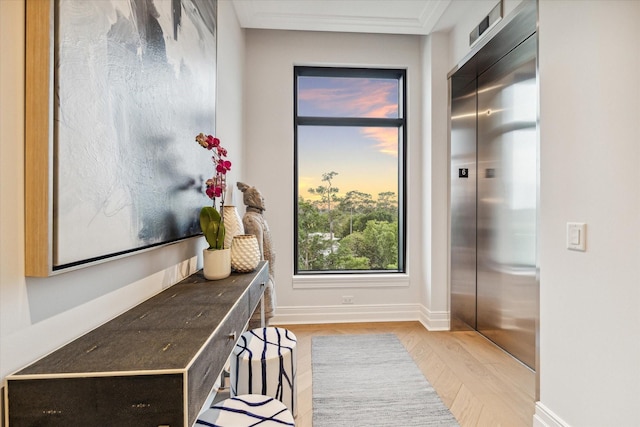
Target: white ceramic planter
216	263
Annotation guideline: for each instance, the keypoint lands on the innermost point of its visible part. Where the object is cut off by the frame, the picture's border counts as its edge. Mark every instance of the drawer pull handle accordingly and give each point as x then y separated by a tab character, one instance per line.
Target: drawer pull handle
232	336
141	405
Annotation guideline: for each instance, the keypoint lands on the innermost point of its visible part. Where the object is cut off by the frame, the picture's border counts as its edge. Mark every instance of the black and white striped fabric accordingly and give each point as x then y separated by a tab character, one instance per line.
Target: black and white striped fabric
264	362
247	410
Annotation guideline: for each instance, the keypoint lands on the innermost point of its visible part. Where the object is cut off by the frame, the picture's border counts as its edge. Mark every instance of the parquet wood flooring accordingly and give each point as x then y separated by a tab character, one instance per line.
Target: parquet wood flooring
481	384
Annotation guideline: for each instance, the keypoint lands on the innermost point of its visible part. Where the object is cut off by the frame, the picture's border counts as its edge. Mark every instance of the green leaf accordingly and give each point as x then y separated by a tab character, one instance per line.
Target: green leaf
212	227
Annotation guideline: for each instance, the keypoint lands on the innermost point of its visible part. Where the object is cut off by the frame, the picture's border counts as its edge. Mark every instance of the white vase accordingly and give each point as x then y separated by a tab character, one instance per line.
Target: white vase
216	263
232	224
245	253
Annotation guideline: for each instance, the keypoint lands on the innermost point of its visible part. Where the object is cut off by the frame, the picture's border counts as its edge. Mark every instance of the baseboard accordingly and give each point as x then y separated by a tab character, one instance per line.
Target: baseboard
435	320
544	417
351	313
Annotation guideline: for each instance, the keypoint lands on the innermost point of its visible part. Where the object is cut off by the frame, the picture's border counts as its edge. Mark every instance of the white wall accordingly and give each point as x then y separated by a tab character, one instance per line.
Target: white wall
271	56
39	315
589	64
230	89
434	172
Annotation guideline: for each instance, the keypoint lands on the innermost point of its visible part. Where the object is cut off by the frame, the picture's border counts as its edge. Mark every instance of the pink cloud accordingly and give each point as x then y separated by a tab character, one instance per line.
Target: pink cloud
387	139
359	98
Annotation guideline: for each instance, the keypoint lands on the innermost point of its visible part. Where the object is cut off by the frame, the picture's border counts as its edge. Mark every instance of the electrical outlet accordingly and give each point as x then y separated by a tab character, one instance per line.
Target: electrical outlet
347	299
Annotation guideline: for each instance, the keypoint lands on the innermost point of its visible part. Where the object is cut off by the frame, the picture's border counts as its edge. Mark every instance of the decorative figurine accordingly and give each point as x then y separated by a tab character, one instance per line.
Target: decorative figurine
254	223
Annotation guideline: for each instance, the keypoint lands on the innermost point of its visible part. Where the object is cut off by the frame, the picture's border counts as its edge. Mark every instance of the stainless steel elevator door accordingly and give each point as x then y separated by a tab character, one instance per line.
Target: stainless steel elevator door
463	207
507	289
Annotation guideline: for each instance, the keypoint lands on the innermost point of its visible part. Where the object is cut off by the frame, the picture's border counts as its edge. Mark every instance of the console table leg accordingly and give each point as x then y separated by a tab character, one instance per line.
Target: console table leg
262	321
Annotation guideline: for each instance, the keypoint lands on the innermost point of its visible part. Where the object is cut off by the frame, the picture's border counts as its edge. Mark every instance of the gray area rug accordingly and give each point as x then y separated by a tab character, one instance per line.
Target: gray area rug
371	380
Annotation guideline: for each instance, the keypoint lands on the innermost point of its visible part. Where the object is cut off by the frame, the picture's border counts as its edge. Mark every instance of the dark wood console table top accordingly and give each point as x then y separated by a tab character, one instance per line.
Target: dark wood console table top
153	365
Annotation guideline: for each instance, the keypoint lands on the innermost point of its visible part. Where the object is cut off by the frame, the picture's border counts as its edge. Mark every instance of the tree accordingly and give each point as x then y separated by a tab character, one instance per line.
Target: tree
346	257
327	194
310	220
355	202
360	221
312	251
363	233
311	244
387	202
381	244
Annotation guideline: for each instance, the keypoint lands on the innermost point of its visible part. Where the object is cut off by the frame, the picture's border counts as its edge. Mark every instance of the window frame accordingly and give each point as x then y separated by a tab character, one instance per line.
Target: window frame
400	123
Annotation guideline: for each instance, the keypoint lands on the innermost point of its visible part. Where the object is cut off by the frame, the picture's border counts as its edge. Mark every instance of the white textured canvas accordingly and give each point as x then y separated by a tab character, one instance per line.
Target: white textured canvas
135	81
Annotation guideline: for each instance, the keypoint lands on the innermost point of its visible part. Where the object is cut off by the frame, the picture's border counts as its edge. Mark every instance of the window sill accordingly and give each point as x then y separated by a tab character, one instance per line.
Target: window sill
382	280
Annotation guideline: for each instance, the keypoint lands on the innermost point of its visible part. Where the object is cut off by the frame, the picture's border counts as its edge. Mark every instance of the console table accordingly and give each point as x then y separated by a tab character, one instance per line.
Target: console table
154	365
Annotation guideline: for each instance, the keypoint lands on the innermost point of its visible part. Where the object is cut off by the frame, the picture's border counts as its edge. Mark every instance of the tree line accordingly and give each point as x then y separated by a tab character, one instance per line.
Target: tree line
350	232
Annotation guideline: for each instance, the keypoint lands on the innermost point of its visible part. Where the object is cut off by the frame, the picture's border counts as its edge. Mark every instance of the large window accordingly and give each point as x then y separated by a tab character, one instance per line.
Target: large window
349	132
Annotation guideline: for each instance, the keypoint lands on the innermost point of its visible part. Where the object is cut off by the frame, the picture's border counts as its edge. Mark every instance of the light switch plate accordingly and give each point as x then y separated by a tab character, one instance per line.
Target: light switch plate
577	236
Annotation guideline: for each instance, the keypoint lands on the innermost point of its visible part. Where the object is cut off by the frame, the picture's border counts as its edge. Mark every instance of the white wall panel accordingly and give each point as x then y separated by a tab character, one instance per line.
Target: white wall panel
590	133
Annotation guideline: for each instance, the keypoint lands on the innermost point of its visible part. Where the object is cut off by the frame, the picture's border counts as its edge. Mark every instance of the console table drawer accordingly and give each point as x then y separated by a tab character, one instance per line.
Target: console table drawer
206	368
141	400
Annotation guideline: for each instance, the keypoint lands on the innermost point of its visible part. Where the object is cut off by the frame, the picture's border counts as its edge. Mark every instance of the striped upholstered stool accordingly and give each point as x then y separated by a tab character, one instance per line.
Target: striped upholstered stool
264	362
247	410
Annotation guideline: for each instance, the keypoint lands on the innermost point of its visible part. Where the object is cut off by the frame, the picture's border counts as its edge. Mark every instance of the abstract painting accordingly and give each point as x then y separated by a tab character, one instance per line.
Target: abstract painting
134	82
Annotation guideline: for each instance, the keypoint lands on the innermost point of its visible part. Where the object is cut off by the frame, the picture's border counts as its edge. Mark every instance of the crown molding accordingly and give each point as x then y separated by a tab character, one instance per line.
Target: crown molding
370	16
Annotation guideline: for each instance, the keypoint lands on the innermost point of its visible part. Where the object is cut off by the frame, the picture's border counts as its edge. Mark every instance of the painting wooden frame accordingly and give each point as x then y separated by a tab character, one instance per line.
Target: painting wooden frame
179	196
38	149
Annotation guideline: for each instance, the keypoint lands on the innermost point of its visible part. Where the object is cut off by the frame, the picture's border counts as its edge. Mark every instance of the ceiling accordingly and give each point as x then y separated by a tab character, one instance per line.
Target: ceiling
363	16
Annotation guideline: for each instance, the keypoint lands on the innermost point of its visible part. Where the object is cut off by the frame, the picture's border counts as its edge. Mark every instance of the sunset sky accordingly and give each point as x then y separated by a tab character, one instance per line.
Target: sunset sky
366	159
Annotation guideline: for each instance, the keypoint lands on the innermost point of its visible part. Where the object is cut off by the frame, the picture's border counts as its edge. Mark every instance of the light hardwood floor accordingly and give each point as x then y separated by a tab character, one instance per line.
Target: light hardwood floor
481	384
